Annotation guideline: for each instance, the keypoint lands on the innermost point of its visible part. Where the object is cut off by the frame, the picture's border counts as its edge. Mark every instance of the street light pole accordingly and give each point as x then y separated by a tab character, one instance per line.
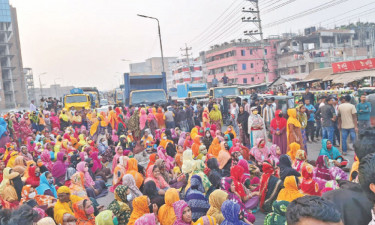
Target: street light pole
161	45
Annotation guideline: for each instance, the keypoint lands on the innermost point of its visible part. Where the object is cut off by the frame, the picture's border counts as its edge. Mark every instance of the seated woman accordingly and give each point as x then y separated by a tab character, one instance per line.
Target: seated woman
286	169
332	153
225	160
260	152
308	185
46	186
63	212
120	205
77	185
34	176
19	165
152	193
119	172
232	214
183	213
153	174
59	168
128	180
44	202
290	190
269	187
84	212
216	200
278	216
133	170
196	199
98	169
94	189
324	173
11	187
166	213
140	207
300	161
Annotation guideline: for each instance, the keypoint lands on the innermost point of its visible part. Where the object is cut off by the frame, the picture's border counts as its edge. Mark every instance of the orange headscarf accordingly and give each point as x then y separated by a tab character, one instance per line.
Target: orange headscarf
160	118
133	170
140	207
195	146
294	147
215	147
166	212
80	214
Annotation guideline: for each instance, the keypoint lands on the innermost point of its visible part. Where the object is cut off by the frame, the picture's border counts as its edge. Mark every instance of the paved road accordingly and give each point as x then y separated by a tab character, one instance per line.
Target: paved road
313	152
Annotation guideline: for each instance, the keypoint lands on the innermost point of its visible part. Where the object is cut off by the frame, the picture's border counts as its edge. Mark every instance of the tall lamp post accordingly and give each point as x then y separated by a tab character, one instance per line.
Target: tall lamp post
161	45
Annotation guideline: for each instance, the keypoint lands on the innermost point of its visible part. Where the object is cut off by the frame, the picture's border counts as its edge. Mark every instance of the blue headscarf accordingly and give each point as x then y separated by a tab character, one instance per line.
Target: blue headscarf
230	143
3	127
44	185
331	154
231	212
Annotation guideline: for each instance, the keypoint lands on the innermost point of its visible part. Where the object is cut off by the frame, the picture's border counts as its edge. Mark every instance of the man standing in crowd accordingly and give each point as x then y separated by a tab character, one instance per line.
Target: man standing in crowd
308	95
32	106
310	129
364	110
328	115
225	79
214	82
347	121
268	114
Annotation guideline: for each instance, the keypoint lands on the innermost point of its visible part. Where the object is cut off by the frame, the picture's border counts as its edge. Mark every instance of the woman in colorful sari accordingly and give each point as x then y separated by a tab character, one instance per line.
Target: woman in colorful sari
260	152
278	214
94	189
293	148
29	193
196	199
46	159
128	180
119	206
84	212
321	173
216	117
290	190
77	185
300	160
270	185
205	118
166	212
46	186
256	127
19	165
286	169
308	185
229	187
250	199
278	130
293	129
187	161
153	173
215	147
302	118
33	179
329	150
225	160
10	190
160	118
231	213
63	211
133	170
216	200
183	213
59	168
140	207
148	218
242	121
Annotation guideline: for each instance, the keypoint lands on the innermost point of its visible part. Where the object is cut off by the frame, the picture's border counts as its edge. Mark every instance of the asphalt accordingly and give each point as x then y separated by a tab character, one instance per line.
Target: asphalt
313	150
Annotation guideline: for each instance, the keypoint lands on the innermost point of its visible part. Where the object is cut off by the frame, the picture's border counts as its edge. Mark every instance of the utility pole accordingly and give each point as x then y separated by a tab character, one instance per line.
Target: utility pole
187	49
258	23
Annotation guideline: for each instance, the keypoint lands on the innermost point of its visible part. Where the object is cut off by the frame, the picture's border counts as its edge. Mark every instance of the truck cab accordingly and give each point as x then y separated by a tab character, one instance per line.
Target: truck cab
226	91
146	97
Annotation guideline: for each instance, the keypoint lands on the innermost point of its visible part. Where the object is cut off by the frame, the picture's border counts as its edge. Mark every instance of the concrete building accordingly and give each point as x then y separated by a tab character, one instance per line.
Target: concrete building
13	91
54	91
242	61
154	66
298	55
29	76
181	73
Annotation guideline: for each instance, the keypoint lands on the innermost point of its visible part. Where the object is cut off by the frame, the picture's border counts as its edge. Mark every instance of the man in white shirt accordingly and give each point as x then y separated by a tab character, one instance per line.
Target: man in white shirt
32	106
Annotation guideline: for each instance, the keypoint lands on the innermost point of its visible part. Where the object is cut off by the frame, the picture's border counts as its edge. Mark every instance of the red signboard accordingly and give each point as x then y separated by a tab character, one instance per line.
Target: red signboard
364	64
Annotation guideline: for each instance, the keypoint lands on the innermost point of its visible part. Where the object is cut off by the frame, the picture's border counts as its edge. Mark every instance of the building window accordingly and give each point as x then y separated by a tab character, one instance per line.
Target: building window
242	52
245	80
244	66
251	51
252	79
265	51
251	65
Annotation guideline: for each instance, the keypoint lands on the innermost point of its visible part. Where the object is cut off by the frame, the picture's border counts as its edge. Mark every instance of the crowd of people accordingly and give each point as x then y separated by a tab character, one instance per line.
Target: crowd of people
178	164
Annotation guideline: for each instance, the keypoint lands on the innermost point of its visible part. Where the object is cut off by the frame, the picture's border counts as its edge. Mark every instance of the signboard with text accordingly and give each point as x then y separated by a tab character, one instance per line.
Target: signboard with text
357	65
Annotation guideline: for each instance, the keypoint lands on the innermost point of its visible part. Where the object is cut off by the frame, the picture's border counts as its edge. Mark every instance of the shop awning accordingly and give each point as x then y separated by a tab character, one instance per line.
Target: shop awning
345	78
319	74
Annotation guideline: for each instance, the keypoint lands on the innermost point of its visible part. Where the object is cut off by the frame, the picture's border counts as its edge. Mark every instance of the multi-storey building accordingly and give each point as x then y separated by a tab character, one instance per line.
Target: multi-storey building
29	76
183	72
242	61
13	91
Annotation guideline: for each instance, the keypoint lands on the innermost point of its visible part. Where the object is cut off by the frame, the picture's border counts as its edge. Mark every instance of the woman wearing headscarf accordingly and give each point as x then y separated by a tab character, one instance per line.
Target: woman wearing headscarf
300	160
34	176
216	200
84	212
278	216
215	147
206	118
59	168
286	169
206	220
308	185
153	158
140	207
63	211
29	193
207	139
77	185
293	148
94	189
260	152
46	186
46	159
166	213
26	155
290	190
321	173
119	152
302	118
216	117
270	186
12	159
278	130
214	171
149	218
183	213
329	150
195	146
128	180
187	161
256	126
106	217
150	190
11	186
142	119
160	118
274	153
231	213
133	170
19	165
97	167
224	159
196	199
153	174
119	206
293	129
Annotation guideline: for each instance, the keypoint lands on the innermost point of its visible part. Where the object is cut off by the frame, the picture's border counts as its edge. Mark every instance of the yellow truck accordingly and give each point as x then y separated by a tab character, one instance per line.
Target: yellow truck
78	100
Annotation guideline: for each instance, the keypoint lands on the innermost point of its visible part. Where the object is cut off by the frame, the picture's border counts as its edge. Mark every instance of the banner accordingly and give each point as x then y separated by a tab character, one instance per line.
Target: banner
356	65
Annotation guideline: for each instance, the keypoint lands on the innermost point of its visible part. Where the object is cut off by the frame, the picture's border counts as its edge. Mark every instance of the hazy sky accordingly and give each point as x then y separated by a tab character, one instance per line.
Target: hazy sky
82	42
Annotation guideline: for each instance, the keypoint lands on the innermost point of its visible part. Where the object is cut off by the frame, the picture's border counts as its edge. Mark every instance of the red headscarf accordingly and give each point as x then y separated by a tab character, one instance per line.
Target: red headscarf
308	185
236	173
32	179
268	171
278	122
152	160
